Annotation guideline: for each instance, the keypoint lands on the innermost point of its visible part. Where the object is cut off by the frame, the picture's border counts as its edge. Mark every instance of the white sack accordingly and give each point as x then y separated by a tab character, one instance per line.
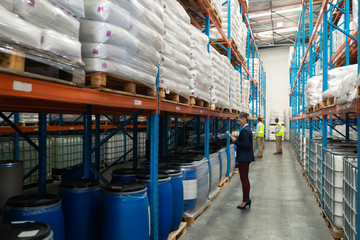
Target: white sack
76	7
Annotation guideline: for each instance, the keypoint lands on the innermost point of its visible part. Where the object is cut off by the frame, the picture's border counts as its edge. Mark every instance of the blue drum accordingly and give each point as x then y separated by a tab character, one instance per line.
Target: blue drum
125	212
177	196
80	204
165	202
124	175
44	208
15	231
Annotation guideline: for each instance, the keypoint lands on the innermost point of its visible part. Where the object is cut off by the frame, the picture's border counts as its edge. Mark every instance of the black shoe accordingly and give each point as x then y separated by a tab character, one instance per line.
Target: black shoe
248	202
276	153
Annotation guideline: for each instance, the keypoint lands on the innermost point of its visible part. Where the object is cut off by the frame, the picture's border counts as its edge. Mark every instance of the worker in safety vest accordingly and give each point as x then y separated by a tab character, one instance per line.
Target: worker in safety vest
259	135
279	133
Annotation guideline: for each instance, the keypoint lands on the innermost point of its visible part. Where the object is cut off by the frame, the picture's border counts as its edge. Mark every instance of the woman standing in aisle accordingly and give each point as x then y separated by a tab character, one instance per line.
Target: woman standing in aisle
244	156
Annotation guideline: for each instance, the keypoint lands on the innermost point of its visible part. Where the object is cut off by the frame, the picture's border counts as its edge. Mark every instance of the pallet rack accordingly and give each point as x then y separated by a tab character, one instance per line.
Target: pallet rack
19	93
324	117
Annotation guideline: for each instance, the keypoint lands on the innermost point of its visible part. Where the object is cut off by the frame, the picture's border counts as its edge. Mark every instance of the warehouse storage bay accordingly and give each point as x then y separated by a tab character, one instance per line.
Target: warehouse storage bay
179	119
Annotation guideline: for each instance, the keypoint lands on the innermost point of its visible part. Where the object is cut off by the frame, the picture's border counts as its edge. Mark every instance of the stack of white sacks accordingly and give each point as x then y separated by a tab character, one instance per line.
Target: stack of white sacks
235	89
53	24
201	71
342	82
277	113
254	70
219	89
175	56
244	106
123	38
238	27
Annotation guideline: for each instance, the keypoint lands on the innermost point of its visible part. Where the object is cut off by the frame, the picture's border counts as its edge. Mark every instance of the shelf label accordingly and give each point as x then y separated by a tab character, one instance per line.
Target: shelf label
20	86
138	102
178	108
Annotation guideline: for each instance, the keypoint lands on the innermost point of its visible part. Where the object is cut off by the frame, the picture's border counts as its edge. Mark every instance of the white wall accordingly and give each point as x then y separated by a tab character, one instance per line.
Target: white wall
277	81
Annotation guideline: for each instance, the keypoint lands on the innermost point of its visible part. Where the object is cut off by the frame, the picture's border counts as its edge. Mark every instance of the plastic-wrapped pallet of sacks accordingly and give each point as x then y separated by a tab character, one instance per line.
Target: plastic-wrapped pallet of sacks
175	58
347	91
200	65
235	89
215	174
355	9
254	72
318	67
14	29
73	7
336	76
118	38
313	91
277	113
245	96
218	92
223	163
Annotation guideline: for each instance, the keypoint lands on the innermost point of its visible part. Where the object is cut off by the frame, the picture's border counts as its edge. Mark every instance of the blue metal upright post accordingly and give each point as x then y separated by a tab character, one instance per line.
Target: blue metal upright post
42	153
87	141
154	158
197	131
207	138
310	139
135	142
358	139
16	138
228	147
176	146
97	141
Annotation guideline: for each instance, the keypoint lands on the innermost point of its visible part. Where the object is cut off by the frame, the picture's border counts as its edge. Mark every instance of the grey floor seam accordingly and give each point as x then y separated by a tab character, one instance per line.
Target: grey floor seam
283	206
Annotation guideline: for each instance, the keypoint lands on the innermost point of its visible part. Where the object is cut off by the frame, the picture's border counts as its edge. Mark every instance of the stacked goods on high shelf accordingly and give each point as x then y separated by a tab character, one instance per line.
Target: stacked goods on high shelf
245	90
175	56
235	94
54	38
262	109
254	68
201	71
123	38
280	114
219	89
342	82
238	28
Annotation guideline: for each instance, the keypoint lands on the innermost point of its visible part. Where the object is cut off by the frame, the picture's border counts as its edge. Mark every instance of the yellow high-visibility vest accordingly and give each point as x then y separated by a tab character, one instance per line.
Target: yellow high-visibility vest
261	130
281	133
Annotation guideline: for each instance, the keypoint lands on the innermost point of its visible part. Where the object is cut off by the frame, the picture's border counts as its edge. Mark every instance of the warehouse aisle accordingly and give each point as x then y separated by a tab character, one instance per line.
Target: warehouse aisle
283	206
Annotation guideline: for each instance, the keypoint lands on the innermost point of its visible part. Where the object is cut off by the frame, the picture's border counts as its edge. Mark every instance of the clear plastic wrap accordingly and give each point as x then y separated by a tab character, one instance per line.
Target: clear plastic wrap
14	29
214	172
313	91
112	52
355	9
108	66
169	63
61	45
45	15
7	4
140	11
75	7
179	58
174	6
345	91
172	45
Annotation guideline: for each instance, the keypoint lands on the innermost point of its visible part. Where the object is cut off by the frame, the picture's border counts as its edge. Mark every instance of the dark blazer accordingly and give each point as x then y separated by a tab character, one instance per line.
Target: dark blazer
244	146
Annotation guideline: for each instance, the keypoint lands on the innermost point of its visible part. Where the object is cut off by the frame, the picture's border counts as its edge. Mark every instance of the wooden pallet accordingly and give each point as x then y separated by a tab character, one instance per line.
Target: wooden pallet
17	62
198	102
227	110
117	84
179	233
190	220
336	232
234	111
319	106
223	183
173	97
212	107
328	102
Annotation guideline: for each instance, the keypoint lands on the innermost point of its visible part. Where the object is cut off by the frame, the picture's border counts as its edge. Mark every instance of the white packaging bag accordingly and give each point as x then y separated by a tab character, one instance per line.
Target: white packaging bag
76	7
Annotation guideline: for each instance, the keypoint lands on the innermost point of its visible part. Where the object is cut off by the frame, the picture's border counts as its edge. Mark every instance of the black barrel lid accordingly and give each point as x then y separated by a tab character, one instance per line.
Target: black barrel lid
13	230
170	171
78	184
33	200
10	163
125	187
125	171
146	176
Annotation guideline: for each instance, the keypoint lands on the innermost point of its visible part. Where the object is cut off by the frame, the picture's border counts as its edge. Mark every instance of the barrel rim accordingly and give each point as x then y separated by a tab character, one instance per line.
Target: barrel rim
18	227
118	188
80	184
11	163
40	200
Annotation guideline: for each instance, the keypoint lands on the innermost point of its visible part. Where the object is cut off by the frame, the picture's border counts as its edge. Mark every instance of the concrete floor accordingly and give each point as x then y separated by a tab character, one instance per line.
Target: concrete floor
283	206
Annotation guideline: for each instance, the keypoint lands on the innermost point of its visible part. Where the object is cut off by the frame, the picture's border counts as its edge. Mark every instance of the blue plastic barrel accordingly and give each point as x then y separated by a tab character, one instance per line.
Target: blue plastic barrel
124	175
125	212
33	230
177	196
44	208
80	205
165	202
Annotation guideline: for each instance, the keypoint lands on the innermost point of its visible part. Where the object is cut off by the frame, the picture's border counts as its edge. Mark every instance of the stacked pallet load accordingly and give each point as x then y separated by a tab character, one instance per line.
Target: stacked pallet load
254	71
238	28
175	56
219	91
235	94
313	91
201	71
122	38
245	91
54	38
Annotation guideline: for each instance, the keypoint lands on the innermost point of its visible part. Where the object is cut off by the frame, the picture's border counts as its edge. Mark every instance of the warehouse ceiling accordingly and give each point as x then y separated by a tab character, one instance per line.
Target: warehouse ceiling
274	23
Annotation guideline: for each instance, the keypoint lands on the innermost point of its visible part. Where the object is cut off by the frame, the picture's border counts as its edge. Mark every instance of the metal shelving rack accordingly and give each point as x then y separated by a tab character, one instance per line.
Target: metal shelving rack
23	94
303	67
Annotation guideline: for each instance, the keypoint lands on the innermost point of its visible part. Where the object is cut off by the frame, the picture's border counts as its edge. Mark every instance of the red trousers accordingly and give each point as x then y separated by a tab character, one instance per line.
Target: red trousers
244	177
